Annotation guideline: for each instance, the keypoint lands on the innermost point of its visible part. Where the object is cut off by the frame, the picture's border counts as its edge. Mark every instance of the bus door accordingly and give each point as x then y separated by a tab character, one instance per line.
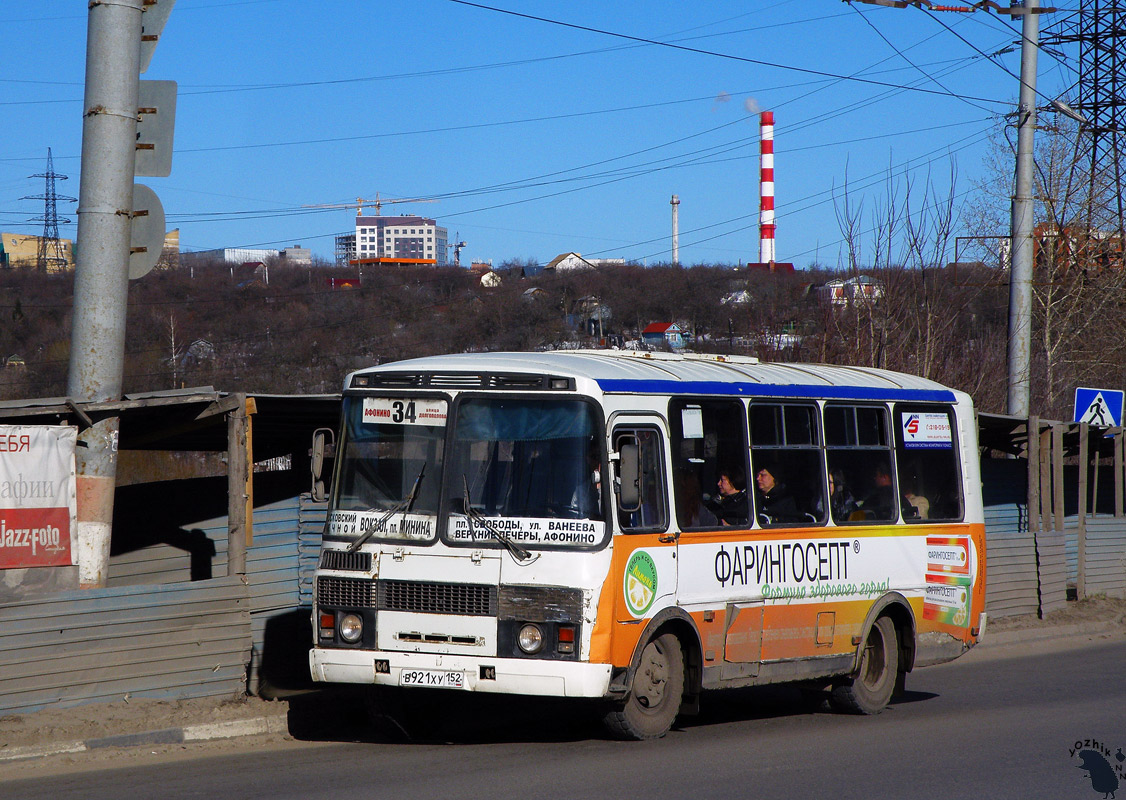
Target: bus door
645	555
713	515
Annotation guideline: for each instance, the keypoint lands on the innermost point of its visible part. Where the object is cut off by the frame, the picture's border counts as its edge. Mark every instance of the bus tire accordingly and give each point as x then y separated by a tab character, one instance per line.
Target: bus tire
655	695
870	689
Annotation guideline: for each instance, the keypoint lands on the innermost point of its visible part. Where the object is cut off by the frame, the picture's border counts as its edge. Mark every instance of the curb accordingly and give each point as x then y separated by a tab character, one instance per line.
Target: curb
190	733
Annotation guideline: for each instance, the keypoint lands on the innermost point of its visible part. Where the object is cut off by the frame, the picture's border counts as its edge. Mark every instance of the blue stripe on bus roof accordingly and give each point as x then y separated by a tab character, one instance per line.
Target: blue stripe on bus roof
633	386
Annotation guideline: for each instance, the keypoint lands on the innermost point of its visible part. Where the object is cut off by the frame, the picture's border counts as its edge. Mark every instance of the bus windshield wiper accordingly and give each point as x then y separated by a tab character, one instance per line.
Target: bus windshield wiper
403	506
518	553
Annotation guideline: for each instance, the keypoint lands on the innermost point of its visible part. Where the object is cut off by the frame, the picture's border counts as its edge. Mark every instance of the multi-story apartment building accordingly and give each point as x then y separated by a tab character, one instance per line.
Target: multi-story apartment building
398	240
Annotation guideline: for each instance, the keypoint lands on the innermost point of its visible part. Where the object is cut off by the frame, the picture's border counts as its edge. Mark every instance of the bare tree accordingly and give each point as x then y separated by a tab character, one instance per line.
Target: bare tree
1079	333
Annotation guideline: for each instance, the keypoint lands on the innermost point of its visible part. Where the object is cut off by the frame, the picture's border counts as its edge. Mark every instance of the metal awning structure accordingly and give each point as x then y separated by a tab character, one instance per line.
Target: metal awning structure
1009	435
192	419
248	427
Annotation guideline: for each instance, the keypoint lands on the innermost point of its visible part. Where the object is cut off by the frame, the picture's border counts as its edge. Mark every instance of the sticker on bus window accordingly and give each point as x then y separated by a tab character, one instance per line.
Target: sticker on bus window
926	429
404	411
692	422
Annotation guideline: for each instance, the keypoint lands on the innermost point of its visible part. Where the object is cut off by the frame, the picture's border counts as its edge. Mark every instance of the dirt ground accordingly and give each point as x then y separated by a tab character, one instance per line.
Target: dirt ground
1109	610
129	715
125	716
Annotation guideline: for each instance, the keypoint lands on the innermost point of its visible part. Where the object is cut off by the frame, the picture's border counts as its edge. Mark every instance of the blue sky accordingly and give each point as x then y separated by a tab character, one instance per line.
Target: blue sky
535	136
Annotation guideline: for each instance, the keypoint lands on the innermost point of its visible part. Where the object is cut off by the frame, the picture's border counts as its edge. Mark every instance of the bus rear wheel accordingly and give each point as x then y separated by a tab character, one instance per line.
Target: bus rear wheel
870	689
654	698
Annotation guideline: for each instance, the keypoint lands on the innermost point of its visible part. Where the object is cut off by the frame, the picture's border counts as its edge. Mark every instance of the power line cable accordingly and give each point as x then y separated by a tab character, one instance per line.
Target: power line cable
902	55
712	53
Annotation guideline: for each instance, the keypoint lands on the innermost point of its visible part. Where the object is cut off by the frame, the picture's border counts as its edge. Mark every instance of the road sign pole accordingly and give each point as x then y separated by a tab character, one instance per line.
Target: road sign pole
109	133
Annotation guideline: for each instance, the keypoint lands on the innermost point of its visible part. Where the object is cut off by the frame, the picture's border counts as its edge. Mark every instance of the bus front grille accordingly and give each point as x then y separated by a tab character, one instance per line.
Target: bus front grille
345	592
345	561
423	597
419	597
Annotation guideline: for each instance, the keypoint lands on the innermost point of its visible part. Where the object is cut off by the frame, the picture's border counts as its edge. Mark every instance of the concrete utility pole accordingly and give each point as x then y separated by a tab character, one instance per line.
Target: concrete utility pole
1020	273
675	203
105	208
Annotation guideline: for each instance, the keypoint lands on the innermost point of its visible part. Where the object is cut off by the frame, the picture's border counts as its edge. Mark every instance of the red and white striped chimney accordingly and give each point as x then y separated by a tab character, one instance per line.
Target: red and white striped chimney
766	189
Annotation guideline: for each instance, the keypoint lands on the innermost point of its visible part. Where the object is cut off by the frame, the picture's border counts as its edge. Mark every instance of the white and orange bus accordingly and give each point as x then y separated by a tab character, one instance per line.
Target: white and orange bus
641	527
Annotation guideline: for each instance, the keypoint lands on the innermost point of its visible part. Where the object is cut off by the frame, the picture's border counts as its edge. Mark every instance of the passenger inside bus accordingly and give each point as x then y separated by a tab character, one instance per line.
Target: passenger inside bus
730	505
879	502
915	505
773	499
841	501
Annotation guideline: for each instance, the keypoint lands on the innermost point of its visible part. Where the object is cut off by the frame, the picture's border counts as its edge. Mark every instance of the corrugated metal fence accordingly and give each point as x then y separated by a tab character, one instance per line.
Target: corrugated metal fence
1012	581
155	632
184	640
279	567
1031	573
1105	567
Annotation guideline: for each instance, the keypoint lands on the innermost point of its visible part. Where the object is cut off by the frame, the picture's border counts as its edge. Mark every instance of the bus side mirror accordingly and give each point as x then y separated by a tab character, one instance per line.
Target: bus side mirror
322	442
629	475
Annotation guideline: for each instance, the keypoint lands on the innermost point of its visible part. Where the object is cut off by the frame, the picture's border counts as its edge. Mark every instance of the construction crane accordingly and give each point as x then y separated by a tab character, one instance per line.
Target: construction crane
378	203
457	245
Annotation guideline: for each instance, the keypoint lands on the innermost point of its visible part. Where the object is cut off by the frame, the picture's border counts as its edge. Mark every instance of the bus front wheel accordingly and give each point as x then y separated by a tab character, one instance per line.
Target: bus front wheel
654	698
870	689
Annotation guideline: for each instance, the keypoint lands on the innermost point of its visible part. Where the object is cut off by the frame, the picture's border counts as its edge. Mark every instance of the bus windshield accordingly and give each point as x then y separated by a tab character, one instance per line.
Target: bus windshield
532	462
390	466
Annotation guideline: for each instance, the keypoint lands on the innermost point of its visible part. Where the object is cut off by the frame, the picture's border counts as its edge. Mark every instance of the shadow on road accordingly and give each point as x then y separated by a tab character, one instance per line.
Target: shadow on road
353	714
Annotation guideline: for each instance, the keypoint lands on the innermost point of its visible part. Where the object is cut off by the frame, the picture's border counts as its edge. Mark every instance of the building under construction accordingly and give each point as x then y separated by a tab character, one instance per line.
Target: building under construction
404	240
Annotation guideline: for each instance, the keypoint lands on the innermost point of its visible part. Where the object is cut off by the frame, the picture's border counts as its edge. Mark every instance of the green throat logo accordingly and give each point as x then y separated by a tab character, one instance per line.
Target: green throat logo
640	582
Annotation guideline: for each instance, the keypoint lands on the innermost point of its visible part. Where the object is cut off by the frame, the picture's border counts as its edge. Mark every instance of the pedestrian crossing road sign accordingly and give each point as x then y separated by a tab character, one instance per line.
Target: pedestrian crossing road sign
1100	407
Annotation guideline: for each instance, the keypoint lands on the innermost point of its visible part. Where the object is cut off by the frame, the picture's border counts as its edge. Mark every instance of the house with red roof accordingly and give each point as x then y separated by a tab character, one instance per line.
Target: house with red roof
662	333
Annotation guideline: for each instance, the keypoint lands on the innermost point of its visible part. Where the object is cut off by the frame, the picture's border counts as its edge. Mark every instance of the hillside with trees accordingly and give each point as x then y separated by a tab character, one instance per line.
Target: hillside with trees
303	330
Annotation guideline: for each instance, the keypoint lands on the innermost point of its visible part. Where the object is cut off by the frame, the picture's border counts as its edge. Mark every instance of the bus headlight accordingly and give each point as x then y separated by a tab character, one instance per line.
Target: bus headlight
351	627
530	638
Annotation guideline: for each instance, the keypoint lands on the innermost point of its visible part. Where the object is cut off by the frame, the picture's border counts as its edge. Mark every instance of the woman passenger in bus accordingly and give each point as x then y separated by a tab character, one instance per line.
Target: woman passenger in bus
841	501
731	506
773	499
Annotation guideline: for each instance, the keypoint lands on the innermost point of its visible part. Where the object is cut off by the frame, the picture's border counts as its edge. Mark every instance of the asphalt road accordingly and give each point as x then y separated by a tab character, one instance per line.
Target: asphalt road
997	723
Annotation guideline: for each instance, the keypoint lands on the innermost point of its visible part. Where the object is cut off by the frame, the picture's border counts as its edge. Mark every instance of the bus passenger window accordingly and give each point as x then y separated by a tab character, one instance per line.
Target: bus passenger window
651	514
929	479
709	441
786	458
859	456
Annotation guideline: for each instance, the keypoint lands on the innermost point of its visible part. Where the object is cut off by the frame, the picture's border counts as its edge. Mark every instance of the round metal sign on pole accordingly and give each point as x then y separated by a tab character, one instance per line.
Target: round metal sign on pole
146	238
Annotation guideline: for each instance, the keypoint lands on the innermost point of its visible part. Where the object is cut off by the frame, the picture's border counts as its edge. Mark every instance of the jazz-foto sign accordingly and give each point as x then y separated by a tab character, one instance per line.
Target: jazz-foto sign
37	495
